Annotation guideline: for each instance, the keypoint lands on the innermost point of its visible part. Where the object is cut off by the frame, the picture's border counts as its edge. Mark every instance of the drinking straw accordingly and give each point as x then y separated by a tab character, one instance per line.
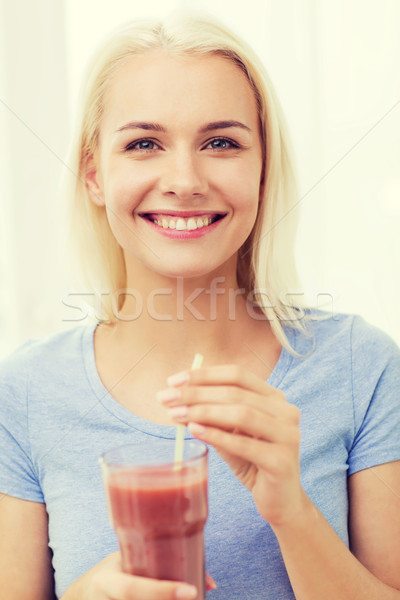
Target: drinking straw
180	429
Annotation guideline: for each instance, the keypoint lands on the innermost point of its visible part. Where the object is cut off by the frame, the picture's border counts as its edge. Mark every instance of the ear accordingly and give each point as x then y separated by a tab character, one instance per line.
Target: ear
92	181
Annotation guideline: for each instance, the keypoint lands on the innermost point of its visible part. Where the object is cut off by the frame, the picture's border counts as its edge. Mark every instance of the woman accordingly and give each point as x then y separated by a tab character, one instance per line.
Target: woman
183	216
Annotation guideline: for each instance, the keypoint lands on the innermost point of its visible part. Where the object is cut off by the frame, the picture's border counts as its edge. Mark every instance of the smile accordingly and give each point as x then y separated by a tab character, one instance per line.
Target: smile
183	223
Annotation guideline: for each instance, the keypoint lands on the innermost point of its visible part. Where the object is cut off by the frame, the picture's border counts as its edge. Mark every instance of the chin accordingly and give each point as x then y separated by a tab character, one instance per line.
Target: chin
188	273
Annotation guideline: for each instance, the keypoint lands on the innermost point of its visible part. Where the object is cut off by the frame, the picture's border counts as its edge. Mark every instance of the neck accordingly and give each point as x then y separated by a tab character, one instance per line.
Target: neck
177	317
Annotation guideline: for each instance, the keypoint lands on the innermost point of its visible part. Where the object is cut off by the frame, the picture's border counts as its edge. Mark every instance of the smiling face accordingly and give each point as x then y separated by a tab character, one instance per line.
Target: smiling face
179	163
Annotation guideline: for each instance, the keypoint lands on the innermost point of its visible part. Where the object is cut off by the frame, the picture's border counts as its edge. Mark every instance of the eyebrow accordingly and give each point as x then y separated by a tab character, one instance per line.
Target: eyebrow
157	127
223	125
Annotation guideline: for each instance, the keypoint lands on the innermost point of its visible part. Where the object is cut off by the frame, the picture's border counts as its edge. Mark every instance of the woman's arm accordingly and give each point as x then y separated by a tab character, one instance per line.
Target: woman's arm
374	521
26	571
106	581
256	431
25	559
318	563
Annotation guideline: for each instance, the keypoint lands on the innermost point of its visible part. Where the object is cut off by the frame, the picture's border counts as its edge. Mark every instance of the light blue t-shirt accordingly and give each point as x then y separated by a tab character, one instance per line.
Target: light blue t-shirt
56	418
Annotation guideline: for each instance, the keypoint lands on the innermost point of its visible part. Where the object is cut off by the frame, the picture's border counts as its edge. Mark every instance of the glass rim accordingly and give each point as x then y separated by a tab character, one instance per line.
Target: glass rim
145	464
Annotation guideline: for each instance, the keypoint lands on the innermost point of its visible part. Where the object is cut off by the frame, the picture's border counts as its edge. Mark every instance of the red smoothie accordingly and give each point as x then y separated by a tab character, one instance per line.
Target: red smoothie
159	514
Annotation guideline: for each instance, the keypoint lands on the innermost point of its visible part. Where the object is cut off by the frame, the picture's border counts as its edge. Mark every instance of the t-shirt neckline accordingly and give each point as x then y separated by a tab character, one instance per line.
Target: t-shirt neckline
143	425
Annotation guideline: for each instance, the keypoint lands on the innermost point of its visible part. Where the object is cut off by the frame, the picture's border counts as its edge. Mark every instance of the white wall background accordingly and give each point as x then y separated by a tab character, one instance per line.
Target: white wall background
335	65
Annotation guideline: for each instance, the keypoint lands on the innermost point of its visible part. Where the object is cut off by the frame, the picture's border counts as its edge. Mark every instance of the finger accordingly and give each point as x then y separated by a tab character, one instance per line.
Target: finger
122	586
267	456
222	394
240	418
210	583
223	374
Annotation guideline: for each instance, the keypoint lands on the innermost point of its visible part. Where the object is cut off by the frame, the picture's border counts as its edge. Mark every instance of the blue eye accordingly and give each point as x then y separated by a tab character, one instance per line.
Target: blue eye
148	145
144	145
222	144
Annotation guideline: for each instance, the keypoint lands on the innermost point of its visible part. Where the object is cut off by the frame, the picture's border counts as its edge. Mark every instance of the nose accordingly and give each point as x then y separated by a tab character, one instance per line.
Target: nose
183	176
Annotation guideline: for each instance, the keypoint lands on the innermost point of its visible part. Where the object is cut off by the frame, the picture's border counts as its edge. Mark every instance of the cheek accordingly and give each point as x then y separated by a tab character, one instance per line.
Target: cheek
123	193
246	194
244	189
124	190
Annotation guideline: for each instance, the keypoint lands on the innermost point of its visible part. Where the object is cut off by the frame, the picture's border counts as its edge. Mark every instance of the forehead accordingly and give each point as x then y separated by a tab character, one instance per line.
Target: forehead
161	85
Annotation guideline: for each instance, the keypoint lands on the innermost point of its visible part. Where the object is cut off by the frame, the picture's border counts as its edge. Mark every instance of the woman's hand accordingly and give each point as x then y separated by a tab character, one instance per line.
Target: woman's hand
106	581
253	428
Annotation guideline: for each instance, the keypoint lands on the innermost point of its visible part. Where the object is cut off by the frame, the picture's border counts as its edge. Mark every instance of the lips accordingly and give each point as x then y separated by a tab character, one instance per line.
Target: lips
183	221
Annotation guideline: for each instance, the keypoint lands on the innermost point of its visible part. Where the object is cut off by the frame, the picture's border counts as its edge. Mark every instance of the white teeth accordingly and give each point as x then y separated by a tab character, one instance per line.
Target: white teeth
180	224
191	224
183	224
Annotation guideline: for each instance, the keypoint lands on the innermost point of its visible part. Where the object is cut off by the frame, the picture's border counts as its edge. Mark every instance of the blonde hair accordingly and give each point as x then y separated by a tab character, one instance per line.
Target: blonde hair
266	266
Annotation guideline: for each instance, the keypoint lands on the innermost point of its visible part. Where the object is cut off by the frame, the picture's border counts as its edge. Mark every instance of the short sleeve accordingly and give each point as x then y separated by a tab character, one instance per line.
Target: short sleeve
17	473
376	398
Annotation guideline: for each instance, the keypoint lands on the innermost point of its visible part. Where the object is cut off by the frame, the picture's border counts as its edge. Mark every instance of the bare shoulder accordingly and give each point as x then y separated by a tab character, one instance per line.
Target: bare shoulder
25	557
374	520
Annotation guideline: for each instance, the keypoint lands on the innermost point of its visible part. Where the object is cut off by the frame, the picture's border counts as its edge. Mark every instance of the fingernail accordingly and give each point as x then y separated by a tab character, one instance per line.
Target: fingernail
168	395
196	428
210	583
178	378
178	412
186	592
